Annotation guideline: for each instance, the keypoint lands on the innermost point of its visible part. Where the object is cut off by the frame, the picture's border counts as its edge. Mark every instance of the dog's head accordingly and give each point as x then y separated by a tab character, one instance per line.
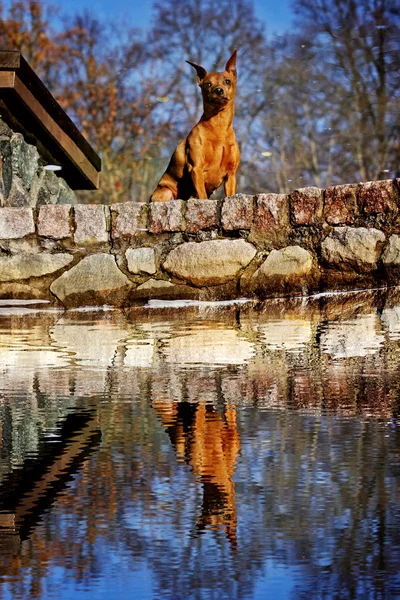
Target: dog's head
218	88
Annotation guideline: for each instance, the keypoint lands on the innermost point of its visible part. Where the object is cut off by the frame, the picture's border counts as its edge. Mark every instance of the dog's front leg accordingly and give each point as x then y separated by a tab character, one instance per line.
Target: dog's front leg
195	153
197	175
230	184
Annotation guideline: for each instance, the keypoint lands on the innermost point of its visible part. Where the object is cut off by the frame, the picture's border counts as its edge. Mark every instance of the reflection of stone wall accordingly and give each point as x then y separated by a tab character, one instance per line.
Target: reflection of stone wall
266	245
23	180
340	353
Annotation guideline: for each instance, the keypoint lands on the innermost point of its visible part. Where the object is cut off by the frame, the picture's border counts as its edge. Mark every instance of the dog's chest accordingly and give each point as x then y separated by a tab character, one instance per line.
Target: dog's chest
218	155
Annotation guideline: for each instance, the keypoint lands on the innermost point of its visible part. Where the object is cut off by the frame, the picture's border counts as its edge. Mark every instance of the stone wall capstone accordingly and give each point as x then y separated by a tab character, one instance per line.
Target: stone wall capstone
268	245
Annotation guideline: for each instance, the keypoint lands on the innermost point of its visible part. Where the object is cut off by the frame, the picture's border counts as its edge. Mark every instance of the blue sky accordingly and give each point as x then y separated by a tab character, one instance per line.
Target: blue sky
277	16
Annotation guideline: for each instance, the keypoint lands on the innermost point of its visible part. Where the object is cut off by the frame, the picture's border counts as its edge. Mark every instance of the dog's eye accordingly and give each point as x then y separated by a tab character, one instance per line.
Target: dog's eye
208	84
227	81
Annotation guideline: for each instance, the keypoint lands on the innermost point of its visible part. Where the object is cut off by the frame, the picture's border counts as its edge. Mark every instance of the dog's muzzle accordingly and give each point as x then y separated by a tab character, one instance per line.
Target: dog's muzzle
218	95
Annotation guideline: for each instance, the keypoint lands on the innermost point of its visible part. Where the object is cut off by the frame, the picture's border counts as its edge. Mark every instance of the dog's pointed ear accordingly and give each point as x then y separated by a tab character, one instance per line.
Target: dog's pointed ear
231	64
201	72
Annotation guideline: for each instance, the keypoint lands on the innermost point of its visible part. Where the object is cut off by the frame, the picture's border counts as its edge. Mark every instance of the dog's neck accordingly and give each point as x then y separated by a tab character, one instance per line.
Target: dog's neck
220	117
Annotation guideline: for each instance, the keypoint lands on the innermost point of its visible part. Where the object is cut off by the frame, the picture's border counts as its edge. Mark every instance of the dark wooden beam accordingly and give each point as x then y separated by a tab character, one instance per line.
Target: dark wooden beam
31	104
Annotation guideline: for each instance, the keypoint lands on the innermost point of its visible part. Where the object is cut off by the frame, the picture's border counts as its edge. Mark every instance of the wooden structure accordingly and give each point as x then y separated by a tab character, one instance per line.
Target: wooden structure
28	107
27	492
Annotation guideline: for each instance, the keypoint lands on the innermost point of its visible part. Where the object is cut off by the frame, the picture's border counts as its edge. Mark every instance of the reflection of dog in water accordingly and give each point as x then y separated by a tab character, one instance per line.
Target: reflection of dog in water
209	442
210	155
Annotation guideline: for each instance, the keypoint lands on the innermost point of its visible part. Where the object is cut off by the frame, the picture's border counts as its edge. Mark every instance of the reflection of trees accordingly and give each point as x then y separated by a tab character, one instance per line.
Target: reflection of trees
307	490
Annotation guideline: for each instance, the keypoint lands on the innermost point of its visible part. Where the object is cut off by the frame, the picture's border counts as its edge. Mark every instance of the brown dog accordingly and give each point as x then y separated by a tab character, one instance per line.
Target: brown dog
210	155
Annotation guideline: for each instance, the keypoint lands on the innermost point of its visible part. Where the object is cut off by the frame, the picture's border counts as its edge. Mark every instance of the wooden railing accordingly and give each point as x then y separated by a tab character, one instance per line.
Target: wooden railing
29	107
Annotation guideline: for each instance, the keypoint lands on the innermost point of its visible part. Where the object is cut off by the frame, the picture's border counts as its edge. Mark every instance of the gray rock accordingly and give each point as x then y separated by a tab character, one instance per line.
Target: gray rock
91	223
378	197
16	223
288	269
391	255
128	218
271	212
353	248
34	290
166	216
271	225
18	195
306	205
54	221
25	266
166	290
94	281
5	130
287	262
209	263
25	159
237	212
201	214
47	188
141	260
65	194
6	167
340	205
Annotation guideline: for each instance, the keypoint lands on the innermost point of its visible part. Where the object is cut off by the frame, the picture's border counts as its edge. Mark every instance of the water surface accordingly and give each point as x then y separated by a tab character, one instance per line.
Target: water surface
176	453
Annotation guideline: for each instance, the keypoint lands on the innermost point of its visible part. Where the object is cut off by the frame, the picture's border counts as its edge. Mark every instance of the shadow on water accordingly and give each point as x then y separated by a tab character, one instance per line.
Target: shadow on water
240	452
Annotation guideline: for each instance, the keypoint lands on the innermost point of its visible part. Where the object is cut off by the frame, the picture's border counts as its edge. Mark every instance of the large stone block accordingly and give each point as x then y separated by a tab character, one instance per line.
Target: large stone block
94	281
25	266
16	223
6	172
25	160
271	224
271	212
163	290
65	194
340	206
377	197
391	255
237	212
141	260
91	224
348	248
289	261
18	195
306	206
287	270
209	263
54	221
201	214
166	216
50	189
128	218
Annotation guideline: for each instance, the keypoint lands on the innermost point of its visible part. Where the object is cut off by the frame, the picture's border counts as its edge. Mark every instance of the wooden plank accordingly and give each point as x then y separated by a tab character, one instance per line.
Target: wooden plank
7	79
10	59
13	62
76	156
47	100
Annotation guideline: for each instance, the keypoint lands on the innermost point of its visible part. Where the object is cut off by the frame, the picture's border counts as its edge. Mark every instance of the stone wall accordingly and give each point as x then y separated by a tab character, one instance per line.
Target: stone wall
24	180
344	237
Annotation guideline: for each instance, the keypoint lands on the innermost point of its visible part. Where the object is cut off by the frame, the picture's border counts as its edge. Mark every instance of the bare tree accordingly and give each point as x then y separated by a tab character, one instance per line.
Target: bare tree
359	46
